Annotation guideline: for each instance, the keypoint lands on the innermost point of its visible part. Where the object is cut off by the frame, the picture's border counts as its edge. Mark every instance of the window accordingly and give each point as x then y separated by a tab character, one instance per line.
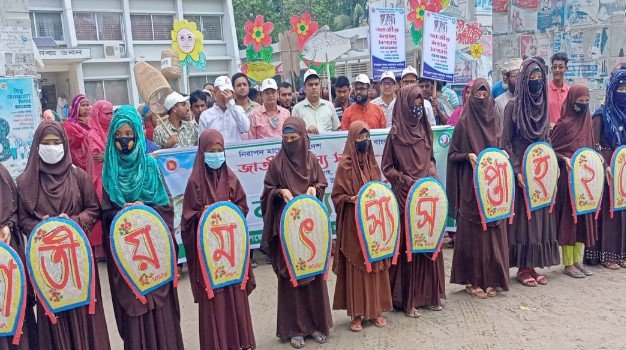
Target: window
103	26
114	91
197	82
152	27
210	26
47	24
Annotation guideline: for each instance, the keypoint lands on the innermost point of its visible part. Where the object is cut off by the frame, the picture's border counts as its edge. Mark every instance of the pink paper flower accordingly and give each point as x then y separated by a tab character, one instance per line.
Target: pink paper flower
258	33
418	11
304	26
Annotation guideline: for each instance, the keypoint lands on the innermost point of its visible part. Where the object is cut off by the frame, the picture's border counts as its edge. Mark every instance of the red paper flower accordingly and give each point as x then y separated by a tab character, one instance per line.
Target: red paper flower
304	26
418	11
258	33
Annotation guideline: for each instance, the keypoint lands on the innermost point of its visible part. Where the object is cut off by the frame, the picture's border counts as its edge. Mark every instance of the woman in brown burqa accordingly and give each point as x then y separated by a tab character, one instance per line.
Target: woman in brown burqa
10	234
532	243
131	177
303	310
571	132
609	126
481	258
225	321
361	293
407	157
51	186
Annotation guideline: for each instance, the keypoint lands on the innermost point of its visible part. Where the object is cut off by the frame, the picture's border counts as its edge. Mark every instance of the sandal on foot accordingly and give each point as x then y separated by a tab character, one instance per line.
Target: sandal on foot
319	337
297	342
380	322
434	307
584	270
476	292
611	265
356	325
413	313
541	279
574	273
526	280
491	292
623	264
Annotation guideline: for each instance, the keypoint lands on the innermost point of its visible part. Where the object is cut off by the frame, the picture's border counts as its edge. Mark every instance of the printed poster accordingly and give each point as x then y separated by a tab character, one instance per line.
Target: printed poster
439	47
551	14
387	41
19	117
523	19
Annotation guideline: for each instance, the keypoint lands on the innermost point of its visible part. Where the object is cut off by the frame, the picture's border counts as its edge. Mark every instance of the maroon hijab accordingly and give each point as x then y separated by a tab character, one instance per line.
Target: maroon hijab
8	190
530	111
572	131
405	128
211	185
292	161
47	188
357	168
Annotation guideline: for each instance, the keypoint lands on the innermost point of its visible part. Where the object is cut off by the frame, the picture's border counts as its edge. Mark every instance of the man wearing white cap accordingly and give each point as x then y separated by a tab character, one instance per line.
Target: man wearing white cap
387	99
512	68
363	109
225	116
409	77
177	130
318	114
267	119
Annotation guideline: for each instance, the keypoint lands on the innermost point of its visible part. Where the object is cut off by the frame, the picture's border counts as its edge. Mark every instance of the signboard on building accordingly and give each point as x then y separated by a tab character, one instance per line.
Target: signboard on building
439	47
19	118
387	41
65	54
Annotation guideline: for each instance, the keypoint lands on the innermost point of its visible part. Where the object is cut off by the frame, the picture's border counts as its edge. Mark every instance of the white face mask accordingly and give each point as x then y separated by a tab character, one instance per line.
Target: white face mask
51	154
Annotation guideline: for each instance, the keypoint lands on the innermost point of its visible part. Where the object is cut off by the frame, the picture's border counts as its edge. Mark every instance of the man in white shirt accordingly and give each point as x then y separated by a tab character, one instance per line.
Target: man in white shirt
318	114
409	77
387	99
225	116
512	70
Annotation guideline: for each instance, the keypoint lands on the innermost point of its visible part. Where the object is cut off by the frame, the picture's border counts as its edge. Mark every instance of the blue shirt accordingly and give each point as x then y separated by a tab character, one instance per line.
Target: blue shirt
497	89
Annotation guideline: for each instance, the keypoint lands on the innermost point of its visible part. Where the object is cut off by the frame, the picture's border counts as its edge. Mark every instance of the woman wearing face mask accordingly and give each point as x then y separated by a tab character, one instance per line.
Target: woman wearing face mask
51	186
11	235
481	258
609	124
571	132
361	293
225	321
131	177
456	114
303	310
407	157
99	121
77	128
532	243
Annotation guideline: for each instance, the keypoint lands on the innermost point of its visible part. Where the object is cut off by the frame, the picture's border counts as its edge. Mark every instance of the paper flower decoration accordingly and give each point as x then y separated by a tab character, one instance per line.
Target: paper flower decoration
258	33
476	50
187	41
304	26
418	10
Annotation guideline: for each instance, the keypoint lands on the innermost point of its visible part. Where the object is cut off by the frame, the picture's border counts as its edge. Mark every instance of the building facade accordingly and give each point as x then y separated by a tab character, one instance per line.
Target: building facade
95	43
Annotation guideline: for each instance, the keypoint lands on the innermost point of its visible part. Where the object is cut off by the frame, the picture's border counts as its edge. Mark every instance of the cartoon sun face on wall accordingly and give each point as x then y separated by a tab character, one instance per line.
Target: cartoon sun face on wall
187	41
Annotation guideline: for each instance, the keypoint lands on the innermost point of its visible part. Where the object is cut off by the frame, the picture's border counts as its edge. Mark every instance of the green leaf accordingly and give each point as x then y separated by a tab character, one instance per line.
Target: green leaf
416	35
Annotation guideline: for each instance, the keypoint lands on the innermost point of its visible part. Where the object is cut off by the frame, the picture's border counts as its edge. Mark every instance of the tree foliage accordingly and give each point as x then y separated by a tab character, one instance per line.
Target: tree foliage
336	14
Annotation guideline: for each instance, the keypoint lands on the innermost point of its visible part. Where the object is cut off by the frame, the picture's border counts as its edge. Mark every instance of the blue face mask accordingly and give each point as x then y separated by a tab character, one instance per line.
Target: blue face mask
619	99
214	159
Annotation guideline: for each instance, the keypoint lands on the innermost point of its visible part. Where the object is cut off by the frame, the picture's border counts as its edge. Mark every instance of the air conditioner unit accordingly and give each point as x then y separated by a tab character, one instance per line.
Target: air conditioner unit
112	51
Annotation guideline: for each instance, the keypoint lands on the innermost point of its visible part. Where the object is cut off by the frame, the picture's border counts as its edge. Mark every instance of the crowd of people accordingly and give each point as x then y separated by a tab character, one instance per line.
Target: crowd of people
97	162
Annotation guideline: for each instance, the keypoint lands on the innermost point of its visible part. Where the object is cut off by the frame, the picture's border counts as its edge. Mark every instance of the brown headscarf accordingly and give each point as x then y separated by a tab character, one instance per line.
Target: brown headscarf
358	168
572	131
405	127
210	185
48	186
8	191
530	111
292	160
482	124
477	129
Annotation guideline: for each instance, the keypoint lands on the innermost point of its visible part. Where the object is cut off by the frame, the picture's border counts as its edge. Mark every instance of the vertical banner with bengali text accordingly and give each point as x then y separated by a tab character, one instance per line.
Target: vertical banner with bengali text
439	47
387	40
18	120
